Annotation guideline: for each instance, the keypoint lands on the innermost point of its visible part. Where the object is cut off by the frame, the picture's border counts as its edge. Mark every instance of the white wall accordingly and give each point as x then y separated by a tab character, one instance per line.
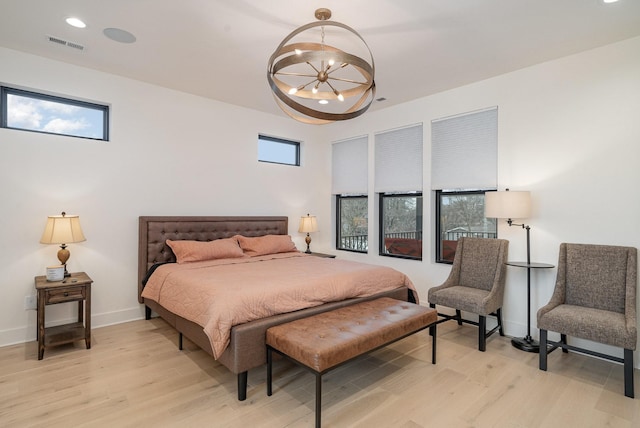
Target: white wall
170	154
569	131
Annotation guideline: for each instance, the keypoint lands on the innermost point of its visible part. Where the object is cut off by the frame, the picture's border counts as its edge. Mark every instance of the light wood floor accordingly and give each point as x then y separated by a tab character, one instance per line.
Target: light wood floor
134	376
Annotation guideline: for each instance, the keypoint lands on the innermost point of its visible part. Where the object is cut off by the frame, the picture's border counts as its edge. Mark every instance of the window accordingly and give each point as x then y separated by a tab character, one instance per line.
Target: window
401	225
349	182
460	214
464	157
353	223
398	174
32	111
278	150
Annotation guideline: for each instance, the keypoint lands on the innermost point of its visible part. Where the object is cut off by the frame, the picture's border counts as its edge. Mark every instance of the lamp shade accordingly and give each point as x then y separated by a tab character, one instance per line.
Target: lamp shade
62	229
308	224
507	204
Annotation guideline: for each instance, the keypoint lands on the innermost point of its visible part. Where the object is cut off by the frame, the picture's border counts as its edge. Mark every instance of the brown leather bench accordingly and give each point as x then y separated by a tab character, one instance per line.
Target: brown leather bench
323	342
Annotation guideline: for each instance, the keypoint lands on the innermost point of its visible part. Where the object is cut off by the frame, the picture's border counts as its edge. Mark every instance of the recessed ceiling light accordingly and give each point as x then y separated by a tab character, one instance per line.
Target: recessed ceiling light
119	35
609	1
76	22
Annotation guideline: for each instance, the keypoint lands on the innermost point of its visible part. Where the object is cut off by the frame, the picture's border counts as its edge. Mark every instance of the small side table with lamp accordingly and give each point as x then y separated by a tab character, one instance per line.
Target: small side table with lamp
60	286
512	205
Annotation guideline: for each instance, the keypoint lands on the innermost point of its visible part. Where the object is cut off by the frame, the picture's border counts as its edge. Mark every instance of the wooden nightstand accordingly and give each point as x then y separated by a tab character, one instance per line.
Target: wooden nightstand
76	288
325	256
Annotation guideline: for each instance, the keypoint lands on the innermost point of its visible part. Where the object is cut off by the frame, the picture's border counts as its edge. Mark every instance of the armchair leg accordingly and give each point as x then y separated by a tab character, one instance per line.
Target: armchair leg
459	316
499	316
628	373
482	333
563	340
543	350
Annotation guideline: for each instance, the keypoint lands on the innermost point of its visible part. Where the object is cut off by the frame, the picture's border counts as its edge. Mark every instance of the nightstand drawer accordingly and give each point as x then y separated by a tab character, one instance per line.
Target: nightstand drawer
61	295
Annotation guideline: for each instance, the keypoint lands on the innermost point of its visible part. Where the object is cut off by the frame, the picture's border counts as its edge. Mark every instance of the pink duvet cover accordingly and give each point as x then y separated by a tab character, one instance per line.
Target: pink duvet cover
219	294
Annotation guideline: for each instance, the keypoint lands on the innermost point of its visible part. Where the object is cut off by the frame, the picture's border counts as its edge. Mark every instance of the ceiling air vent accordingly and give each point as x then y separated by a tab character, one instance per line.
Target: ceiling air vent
67	43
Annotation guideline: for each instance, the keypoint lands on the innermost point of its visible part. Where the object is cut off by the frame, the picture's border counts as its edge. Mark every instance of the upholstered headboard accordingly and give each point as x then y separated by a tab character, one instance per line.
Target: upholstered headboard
155	230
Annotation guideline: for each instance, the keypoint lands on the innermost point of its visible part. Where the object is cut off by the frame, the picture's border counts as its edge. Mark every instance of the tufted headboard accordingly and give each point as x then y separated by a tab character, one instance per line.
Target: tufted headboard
153	232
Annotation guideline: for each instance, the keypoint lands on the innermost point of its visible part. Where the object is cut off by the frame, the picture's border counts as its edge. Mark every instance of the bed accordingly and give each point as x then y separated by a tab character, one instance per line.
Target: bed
245	345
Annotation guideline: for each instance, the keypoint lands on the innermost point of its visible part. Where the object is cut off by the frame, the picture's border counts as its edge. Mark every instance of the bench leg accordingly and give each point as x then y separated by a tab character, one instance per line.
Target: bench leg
180	341
269	370
318	399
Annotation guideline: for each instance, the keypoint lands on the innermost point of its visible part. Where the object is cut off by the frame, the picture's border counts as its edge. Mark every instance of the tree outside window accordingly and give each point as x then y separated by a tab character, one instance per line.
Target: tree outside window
460	214
353	223
401	225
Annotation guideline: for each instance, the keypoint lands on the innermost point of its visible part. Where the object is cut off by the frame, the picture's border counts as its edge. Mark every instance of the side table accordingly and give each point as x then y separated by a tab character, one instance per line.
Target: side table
323	255
527	343
75	288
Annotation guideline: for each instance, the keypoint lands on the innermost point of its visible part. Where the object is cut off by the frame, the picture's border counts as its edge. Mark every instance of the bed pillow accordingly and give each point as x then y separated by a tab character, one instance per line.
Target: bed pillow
195	251
267	244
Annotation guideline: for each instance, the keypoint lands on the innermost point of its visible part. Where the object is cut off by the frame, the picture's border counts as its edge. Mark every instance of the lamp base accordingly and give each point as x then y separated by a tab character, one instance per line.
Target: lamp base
527	344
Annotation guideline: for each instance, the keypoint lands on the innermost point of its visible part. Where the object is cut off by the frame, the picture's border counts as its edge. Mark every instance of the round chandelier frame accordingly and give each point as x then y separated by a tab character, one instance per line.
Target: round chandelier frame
322	78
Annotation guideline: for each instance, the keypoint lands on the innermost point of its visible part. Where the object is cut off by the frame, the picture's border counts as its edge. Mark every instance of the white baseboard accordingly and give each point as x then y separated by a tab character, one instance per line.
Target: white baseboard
28	332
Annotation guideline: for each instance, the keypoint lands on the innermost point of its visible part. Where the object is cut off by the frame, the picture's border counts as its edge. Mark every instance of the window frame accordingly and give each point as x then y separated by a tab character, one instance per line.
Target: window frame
5	91
296	144
438	211
381	197
339	198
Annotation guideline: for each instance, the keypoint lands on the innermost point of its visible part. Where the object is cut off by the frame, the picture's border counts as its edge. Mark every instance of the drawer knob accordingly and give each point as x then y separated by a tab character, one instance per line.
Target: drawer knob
66	294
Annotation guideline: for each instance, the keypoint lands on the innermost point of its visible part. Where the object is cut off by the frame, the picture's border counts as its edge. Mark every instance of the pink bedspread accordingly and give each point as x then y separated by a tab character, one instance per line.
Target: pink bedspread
222	293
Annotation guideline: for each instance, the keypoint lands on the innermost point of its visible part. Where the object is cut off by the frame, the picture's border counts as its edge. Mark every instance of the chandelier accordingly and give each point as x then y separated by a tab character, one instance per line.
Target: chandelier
317	83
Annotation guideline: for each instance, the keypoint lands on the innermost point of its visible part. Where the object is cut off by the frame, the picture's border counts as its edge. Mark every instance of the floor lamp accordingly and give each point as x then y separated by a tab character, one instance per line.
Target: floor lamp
516	205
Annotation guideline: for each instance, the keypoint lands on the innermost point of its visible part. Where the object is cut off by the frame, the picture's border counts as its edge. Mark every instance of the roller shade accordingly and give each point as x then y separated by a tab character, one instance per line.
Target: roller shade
398	160
464	151
349	171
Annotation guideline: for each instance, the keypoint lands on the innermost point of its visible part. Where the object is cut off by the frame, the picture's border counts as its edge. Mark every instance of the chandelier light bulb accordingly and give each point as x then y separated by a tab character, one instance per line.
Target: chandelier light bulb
292	91
323	102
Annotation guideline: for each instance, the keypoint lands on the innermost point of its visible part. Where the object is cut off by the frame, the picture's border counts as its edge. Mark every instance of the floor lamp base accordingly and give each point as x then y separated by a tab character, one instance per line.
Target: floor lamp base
526	344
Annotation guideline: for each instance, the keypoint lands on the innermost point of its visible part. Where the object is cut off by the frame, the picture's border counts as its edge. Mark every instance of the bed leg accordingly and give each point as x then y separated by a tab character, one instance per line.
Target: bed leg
147	313
242	386
180	341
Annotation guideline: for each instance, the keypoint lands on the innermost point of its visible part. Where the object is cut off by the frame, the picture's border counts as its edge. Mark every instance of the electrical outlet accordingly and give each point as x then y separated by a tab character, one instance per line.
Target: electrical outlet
30	303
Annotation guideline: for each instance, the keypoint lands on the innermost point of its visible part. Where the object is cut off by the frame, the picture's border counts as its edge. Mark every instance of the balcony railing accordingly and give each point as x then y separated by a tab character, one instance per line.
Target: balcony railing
361	242
354	242
454	236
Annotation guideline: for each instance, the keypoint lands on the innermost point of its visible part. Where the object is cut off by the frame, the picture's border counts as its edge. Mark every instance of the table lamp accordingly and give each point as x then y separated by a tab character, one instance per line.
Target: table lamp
63	229
308	224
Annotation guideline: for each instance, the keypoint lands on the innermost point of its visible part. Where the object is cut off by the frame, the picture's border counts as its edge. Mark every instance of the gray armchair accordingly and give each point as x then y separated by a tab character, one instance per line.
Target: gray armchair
475	284
594	299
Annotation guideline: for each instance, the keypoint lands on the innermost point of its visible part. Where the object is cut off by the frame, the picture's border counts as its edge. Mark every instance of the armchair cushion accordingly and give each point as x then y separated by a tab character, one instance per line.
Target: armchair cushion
602	326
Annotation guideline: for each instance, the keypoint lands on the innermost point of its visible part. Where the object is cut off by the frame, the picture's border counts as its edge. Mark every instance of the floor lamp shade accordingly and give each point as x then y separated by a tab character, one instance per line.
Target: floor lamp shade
507	204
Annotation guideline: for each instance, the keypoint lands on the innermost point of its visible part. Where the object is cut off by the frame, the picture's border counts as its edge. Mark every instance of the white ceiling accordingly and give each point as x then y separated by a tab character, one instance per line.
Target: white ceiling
219	48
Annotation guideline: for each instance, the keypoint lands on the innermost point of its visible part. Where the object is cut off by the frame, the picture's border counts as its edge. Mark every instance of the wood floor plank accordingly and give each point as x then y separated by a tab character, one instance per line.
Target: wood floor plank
135	376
